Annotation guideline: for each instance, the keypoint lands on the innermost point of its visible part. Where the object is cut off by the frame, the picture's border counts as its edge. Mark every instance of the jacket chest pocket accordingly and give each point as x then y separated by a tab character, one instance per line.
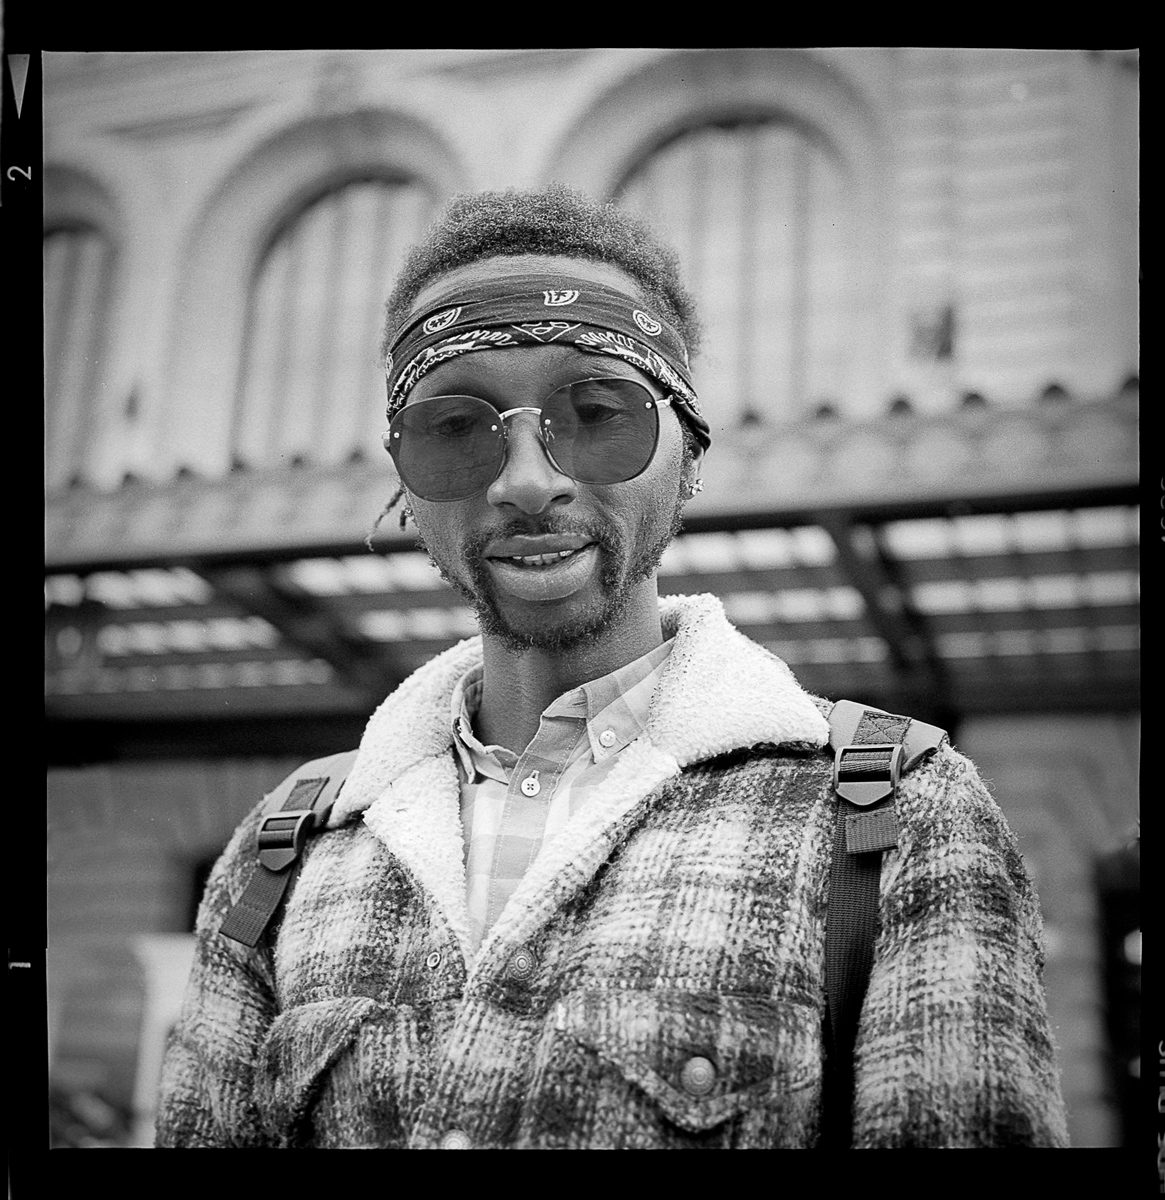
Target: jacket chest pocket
663	1068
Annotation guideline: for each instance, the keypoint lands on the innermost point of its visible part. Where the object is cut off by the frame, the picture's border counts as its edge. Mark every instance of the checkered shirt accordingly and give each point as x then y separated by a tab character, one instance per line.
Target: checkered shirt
511	804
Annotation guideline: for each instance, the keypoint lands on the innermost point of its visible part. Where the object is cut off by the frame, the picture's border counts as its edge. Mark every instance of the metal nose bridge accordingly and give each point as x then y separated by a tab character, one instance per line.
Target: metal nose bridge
510	412
544	435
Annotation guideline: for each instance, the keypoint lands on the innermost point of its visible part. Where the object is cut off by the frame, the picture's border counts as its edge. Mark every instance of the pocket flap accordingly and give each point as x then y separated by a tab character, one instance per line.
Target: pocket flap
701	1057
302	1044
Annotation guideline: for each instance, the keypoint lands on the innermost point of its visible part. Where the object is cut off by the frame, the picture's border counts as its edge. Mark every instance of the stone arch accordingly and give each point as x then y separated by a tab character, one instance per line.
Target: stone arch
266	186
678	91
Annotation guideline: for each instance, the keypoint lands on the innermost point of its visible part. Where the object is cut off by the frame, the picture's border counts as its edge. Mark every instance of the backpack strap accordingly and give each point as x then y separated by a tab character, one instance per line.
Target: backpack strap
300	806
872	749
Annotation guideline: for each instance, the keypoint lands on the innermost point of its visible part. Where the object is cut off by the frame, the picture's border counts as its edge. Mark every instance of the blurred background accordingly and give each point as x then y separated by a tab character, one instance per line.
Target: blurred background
919	277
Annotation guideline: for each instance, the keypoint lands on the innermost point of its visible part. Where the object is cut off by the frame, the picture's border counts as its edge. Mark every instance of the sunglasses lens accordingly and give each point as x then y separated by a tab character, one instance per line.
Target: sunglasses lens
447	447
601	430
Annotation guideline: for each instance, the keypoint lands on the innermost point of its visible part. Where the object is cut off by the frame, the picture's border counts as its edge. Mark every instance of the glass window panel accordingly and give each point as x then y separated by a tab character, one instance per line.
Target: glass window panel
963	645
112	588
188	636
763	549
712	552
1000	595
1104	526
917	539
311	382
64	589
843	603
813	546
1054	591
953	595
1016	642
758	211
1119	637
1111	587
78	270
320	576
387	625
800	604
750	608
1041	530
1066	641
368	574
412	571
987	534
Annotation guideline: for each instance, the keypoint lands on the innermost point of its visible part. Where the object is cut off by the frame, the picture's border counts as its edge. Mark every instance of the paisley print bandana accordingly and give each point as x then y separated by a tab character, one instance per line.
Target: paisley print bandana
530	310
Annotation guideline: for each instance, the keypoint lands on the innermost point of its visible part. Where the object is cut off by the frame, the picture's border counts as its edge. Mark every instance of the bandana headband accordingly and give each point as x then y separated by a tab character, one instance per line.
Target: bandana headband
531	310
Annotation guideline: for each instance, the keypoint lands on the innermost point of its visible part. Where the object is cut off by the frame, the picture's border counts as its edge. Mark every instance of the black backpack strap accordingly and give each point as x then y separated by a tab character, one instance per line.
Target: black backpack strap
303	809
871	750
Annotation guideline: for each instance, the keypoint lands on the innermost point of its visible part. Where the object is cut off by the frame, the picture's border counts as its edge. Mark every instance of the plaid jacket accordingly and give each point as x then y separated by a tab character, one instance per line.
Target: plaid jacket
655	980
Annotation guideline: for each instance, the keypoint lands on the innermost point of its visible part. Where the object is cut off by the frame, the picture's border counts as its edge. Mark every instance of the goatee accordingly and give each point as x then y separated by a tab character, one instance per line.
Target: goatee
619	574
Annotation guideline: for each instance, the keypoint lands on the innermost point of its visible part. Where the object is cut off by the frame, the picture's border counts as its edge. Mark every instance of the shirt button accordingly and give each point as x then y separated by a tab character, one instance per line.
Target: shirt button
522	965
607	738
434	960
456	1139
698	1076
530	785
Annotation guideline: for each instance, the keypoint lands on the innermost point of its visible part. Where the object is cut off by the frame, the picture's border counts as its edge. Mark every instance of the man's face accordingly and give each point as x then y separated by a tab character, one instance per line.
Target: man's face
586	551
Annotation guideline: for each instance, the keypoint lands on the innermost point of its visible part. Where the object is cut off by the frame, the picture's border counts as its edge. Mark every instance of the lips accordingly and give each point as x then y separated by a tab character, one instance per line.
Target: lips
536	549
542	574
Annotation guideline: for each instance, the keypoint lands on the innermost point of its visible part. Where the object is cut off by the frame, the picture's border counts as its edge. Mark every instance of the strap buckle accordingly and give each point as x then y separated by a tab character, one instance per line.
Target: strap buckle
282	835
865	773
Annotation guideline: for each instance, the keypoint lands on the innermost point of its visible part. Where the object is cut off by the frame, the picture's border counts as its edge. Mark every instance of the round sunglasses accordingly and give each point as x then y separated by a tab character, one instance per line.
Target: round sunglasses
594	430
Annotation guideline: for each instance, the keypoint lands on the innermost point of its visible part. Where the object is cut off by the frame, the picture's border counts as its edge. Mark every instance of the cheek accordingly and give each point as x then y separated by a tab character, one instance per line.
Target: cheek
645	506
436	528
661	481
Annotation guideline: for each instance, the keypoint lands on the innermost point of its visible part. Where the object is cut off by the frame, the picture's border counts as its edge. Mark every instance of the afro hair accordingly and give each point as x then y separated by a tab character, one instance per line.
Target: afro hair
552	220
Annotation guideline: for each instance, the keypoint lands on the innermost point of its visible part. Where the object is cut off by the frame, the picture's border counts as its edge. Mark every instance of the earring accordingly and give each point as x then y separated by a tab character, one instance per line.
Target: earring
405	513
694	489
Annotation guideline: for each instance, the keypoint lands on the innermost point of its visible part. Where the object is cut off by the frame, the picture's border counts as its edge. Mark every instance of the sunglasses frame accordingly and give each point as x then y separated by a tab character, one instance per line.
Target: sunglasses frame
655	402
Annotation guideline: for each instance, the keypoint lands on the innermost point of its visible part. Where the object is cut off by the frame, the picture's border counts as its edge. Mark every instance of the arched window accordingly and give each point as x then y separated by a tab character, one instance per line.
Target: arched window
759	211
78	276
311	387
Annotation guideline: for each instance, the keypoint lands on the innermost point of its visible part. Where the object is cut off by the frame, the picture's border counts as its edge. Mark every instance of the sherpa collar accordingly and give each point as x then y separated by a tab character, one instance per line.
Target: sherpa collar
719	691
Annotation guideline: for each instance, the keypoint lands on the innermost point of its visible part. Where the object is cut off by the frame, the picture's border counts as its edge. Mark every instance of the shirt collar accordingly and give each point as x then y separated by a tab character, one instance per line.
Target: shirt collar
475	756
617	704
614	706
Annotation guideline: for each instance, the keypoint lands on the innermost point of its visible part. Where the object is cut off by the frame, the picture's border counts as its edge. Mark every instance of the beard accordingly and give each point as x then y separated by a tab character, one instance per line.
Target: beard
621	569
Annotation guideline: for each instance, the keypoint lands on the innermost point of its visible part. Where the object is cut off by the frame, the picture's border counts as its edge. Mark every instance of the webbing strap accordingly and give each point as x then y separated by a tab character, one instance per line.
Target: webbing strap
851	923
279	842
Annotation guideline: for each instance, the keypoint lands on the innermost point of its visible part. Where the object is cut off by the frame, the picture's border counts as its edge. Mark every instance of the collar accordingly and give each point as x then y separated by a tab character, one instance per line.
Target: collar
718	691
614	708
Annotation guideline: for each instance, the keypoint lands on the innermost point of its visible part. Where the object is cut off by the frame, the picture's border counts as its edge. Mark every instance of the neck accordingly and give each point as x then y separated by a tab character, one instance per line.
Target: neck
518	686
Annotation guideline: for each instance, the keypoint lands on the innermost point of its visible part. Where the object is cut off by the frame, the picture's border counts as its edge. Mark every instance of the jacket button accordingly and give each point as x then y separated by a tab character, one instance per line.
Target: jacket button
456	1139
698	1076
434	960
522	965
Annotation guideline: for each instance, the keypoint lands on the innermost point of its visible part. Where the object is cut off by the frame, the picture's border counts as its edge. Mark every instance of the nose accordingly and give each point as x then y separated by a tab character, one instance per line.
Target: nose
529	480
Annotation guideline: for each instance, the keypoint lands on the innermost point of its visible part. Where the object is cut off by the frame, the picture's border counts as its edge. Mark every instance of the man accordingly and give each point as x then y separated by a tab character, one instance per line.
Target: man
573	892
